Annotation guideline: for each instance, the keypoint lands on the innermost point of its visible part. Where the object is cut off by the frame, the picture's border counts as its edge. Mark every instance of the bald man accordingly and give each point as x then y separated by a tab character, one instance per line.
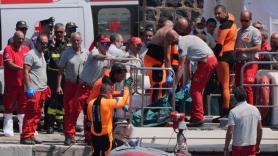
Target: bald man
248	43
13	76
183	26
192	48
159	51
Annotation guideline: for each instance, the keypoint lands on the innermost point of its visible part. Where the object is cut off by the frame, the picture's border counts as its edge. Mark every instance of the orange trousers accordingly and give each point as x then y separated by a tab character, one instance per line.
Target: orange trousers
223	76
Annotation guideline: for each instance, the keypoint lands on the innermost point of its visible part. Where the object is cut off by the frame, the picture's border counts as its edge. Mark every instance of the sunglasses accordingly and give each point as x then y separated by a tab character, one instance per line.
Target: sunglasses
244	20
104	44
59	32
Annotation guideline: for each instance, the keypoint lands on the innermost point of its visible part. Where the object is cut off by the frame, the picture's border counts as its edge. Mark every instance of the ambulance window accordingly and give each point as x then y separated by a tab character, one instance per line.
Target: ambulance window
114	20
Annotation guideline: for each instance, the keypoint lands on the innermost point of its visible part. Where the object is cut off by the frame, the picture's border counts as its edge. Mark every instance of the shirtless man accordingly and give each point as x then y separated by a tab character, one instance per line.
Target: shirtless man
158	52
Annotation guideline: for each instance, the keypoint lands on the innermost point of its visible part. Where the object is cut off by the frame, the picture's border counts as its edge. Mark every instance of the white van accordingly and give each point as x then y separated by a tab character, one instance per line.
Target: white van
91	16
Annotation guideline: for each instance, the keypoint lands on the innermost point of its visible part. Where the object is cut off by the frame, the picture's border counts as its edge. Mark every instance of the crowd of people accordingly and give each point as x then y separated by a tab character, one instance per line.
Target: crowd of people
51	71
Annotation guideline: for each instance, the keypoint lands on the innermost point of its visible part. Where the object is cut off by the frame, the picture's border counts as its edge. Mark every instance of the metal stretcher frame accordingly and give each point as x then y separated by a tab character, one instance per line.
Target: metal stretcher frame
143	70
256	84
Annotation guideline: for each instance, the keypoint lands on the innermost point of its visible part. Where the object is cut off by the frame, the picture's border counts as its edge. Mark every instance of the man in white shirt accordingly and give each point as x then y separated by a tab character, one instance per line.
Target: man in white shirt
115	47
244	126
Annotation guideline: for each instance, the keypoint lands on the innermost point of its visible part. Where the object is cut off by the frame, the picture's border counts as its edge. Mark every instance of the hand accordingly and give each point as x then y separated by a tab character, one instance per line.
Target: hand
169	79
59	91
185	88
226	152
240	49
128	82
258	149
126	108
30	92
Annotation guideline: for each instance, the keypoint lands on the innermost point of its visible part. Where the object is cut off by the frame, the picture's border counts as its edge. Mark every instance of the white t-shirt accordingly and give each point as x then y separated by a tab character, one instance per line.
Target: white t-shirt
194	48
116	52
245	119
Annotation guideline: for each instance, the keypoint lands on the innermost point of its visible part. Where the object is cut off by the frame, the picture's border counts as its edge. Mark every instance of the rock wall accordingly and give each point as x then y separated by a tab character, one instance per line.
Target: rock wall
152	10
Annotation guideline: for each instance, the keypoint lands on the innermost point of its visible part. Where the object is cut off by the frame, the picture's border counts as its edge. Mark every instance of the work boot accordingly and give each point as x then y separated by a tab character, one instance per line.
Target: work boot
37	141
69	141
8	125
195	123
20	122
27	141
60	126
224	114
50	124
79	128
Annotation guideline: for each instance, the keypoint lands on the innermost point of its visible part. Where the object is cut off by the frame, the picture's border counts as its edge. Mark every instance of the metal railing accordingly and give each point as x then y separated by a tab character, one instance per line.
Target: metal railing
134	72
143	90
257	84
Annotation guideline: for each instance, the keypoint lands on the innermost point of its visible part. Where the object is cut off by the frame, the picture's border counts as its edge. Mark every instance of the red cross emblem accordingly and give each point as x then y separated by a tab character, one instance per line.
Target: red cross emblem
114	25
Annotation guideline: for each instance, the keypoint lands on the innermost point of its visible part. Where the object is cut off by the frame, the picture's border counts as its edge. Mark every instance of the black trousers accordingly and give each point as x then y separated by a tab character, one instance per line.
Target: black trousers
100	144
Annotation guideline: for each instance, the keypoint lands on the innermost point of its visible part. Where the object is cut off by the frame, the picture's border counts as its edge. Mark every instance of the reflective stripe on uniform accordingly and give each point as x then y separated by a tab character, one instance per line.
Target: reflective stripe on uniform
53	69
51	111
55	55
59	117
59	112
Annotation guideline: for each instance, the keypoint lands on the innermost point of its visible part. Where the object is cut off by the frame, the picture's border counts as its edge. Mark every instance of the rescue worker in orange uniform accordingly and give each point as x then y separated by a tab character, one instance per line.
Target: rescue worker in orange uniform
224	51
100	115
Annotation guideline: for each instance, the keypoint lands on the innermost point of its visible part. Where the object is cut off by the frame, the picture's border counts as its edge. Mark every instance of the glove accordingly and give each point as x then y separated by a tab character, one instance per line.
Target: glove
30	92
169	79
185	88
126	108
128	82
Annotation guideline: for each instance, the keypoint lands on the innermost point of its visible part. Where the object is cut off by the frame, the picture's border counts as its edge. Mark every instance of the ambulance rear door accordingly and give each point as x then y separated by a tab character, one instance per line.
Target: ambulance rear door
115	16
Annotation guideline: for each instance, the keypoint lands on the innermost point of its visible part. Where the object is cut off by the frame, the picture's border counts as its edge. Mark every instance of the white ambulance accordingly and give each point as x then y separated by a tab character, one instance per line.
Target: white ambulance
91	16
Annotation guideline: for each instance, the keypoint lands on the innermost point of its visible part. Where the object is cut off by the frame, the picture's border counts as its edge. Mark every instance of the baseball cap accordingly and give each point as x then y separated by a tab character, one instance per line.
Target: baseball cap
104	40
21	24
71	25
135	40
50	21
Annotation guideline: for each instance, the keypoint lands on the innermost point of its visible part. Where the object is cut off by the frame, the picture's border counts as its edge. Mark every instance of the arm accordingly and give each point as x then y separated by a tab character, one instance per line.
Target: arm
228	139
59	89
167	54
254	49
26	70
259	135
180	69
12	66
122	102
222	34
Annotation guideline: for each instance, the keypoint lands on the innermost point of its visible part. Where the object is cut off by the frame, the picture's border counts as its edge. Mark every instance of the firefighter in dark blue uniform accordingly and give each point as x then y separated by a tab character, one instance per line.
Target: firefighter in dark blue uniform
54	106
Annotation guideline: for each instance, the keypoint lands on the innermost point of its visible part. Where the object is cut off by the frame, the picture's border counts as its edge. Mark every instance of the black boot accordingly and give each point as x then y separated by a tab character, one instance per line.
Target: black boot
60	126
27	141
224	114
50	124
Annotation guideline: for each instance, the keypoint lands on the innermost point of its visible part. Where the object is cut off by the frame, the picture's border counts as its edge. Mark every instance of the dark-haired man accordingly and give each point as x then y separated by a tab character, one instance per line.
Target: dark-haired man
224	51
22	26
244	126
36	89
